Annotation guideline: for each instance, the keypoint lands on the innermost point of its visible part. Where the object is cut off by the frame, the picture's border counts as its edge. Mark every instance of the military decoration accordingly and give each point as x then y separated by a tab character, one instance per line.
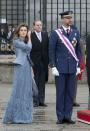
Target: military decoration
74	42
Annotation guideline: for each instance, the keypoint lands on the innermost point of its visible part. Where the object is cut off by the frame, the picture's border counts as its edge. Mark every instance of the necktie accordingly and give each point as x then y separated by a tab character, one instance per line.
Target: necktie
68	32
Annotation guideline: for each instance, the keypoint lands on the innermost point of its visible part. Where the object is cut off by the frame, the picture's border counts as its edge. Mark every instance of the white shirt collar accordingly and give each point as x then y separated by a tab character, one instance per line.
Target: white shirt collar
65	28
39	35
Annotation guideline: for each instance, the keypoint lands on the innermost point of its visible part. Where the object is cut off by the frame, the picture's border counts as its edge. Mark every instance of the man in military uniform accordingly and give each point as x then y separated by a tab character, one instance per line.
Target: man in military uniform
64	56
88	66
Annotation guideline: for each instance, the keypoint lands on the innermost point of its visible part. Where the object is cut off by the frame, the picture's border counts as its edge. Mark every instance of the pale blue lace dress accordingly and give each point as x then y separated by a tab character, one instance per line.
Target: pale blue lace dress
20	106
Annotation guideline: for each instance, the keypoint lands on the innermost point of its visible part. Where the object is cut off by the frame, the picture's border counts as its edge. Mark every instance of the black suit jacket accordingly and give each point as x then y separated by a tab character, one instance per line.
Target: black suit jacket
88	51
39	52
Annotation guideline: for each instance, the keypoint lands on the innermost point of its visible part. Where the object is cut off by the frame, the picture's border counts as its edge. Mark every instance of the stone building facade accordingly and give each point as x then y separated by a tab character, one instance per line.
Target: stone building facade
17	11
14	12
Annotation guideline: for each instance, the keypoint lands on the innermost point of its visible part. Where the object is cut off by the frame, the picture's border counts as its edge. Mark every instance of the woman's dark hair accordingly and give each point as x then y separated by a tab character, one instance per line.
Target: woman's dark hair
16	33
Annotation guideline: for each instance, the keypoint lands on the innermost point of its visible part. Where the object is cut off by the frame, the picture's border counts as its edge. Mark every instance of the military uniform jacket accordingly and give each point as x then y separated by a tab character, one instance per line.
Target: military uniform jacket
88	51
59	55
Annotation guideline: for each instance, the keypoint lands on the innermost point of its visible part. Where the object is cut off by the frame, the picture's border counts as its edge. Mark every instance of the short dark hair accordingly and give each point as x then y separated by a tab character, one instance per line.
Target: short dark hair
36	21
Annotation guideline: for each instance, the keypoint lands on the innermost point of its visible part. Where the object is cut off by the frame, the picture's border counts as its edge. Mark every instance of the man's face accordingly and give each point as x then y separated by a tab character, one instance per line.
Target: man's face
67	21
38	26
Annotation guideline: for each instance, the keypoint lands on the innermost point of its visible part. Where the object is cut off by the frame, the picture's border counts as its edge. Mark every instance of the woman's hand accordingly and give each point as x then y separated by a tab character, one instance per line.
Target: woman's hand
29	35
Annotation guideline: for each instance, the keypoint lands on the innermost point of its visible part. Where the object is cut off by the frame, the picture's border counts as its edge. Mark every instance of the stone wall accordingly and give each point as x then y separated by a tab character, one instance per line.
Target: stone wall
6	70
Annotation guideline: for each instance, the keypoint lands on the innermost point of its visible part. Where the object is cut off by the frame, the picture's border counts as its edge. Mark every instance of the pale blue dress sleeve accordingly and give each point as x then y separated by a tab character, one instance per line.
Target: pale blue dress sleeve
21	44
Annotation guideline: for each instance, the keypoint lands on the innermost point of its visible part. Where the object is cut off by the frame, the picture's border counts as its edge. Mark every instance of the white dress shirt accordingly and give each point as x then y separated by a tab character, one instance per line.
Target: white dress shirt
38	34
66	28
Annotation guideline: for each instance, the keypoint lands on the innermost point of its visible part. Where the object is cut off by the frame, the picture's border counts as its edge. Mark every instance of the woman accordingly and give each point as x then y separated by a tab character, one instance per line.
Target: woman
19	109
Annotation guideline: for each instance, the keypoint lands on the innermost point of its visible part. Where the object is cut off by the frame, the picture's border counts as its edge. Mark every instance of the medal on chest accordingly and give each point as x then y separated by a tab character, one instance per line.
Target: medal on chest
74	40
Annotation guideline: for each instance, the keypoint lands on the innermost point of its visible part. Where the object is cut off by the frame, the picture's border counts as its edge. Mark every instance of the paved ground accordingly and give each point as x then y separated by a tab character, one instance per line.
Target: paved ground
45	118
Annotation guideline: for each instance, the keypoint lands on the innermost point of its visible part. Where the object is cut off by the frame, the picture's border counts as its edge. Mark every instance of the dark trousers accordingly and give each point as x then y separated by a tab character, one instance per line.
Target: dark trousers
88	80
39	76
75	92
65	86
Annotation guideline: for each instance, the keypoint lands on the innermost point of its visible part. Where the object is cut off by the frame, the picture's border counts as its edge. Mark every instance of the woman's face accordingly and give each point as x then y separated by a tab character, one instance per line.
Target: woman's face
23	32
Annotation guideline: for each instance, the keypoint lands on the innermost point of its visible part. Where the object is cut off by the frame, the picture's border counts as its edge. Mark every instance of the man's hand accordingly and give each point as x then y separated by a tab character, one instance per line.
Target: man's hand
55	71
78	71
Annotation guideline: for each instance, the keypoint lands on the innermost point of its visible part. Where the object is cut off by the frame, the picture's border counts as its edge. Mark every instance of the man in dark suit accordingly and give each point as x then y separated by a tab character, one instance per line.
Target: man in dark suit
39	56
88	66
64	52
